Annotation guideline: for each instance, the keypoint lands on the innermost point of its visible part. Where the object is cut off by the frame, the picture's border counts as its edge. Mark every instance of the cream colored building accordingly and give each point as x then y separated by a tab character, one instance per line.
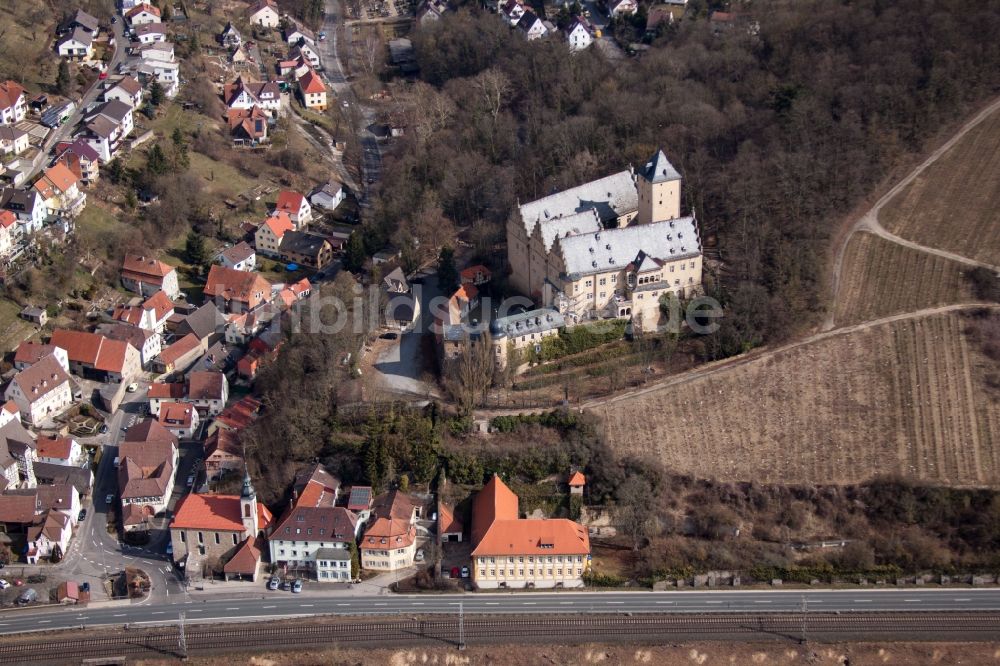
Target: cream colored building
390	540
524	330
512	552
610	248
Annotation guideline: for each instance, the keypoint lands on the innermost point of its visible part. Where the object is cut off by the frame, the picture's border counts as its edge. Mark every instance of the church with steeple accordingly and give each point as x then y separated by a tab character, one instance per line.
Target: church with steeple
221	533
613	247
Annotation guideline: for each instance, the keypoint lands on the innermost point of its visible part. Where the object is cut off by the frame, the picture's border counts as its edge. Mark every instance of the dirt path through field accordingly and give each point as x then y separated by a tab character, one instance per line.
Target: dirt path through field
869	221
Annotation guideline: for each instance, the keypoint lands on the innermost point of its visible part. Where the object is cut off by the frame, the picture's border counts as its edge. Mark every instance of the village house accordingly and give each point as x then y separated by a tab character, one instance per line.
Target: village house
107	127
208	391
578	35
305	249
248	127
58	188
41	391
146	342
295	206
513	552
151	315
306	52
295	67
8	229
81	159
18	456
29	353
60	451
28	207
237	291
240	257
48	536
314	537
150	33
96	357
127	90
390	541
265	14
242	327
230	37
179	418
296	33
609	248
204	323
576	482
80	19
267	238
146	471
77	45
161	392
431	11
223	453
328	195
208	527
312	91
476	275
146	276
512	11
12	104
142	14
13	141
246	94
532	27
180	355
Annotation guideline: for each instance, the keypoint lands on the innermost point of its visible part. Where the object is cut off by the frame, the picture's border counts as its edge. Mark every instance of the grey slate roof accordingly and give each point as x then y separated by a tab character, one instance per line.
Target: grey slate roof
611	196
333	554
525	323
659	169
614	249
571	225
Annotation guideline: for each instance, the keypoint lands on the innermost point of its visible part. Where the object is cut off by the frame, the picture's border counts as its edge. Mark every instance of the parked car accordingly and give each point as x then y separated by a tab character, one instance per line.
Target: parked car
18	582
455	572
465	572
274	583
82	516
26	597
419	557
133	387
104	429
297	586
190	480
102	76
4	584
287	585
109	498
114	19
389	336
170	549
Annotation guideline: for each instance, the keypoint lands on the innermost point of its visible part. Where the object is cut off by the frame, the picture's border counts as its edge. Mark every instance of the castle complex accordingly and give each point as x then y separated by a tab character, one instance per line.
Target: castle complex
609	248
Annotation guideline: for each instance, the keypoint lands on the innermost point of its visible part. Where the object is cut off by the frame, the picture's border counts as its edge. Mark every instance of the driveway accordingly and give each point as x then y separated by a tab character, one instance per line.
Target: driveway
402	363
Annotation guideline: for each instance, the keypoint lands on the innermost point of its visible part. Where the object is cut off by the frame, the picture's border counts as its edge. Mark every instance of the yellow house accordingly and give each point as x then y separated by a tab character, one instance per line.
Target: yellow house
512	552
609	248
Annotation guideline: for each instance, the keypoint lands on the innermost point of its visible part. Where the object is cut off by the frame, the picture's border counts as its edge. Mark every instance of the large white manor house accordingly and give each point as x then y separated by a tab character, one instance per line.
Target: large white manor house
609	248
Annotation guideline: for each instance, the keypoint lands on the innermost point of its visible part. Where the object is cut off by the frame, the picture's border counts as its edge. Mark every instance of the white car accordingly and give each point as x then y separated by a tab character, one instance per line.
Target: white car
4	584
132	388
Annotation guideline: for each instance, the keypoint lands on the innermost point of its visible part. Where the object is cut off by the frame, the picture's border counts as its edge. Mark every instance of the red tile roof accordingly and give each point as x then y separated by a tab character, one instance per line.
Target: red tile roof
240	414
206	385
466	292
393	524
311	83
446	520
166	391
289	202
138	9
246	559
557	536
494	502
215	512
279	223
10	91
149	430
92	349
148	267
469	274
233	285
32	352
311	523
55	447
184	346
129	314
176	414
17	509
7	219
224	440
160	304
577	479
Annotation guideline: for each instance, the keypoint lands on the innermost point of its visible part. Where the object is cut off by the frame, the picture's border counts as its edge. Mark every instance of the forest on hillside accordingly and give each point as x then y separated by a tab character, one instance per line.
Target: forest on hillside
778	131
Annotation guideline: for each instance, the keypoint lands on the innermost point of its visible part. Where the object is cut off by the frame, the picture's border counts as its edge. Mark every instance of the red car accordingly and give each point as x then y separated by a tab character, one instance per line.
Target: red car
454	572
18	582
102	76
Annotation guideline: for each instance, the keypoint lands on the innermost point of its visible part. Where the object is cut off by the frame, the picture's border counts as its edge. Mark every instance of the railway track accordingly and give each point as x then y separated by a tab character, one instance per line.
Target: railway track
165	641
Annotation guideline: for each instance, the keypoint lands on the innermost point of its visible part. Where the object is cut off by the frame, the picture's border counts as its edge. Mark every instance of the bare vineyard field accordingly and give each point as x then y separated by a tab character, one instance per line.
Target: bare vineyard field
882	278
899	398
953	204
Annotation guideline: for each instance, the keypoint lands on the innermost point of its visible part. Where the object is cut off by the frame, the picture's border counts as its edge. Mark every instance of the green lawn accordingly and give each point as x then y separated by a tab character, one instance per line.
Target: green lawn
13	329
96	219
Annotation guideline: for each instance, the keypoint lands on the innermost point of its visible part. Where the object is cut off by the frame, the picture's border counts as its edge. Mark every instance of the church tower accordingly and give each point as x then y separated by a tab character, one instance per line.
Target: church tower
659	187
248	505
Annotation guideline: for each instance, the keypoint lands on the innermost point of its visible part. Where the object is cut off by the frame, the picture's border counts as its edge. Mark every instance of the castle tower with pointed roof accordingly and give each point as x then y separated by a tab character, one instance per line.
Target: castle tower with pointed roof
659	187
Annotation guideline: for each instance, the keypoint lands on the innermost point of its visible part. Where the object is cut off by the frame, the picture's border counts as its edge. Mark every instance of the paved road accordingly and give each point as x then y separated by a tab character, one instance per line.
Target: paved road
273	605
